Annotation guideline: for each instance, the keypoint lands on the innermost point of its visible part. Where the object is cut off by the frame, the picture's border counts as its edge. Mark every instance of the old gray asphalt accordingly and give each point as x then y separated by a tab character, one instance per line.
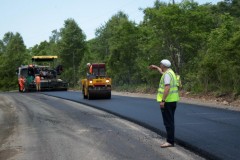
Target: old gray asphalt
211	132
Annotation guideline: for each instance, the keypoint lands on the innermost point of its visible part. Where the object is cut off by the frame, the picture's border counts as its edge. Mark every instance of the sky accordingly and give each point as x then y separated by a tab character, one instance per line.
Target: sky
36	19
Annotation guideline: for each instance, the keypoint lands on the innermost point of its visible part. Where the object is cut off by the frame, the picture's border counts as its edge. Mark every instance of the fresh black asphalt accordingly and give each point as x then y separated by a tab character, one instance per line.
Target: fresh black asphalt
211	132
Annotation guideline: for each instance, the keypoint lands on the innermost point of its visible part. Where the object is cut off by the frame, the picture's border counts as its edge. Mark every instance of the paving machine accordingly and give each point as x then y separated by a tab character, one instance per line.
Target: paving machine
44	67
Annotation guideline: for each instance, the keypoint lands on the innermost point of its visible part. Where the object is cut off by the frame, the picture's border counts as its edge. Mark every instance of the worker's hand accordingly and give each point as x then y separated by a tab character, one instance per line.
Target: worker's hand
162	104
152	67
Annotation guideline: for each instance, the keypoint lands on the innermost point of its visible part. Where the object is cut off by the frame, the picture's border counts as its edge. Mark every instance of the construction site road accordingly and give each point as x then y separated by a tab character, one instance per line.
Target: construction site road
41	127
208	131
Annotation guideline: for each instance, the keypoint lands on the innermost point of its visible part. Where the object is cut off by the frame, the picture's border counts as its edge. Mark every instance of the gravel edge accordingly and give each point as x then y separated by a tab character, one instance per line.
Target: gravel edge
195	101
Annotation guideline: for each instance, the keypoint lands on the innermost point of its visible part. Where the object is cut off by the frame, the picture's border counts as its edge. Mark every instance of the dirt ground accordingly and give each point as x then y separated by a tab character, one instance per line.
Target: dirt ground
223	102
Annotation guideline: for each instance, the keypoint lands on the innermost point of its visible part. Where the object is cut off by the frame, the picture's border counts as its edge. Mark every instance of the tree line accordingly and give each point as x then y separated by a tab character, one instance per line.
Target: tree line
201	41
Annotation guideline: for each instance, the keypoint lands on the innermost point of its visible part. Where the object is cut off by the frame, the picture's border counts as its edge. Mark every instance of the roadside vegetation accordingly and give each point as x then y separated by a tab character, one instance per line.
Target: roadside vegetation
201	41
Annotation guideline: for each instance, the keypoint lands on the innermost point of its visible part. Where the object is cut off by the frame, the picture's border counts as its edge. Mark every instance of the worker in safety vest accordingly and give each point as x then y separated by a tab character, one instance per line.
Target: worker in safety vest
168	97
38	82
21	82
89	68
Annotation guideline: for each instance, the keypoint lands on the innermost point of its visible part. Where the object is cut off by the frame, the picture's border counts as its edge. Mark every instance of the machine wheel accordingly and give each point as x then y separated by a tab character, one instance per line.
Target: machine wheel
26	89
85	97
89	96
83	93
109	95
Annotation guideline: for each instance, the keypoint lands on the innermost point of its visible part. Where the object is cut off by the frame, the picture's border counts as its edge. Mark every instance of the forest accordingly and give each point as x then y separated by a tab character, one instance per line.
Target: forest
201	41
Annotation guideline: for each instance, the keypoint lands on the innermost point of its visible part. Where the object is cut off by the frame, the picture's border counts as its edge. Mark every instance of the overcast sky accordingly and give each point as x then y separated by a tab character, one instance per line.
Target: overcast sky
36	19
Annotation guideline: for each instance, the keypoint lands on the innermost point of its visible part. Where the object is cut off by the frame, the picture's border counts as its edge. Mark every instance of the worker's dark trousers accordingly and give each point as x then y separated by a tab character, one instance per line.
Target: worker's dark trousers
168	120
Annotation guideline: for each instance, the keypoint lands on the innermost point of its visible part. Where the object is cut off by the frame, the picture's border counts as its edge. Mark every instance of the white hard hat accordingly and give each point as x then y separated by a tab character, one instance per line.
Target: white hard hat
166	63
88	64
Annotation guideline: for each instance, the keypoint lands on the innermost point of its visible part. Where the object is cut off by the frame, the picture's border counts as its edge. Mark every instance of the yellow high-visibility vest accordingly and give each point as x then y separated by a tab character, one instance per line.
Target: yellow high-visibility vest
173	95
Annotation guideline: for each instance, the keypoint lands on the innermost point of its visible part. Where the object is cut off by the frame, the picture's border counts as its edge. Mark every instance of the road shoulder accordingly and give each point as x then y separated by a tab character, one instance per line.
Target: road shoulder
188	100
8	124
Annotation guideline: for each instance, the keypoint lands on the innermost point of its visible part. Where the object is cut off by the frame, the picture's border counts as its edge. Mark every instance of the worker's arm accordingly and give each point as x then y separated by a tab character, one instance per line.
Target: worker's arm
156	67
166	91
165	94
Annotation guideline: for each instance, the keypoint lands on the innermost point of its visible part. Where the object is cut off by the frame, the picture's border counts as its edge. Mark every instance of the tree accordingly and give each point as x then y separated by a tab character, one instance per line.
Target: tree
72	47
123	49
55	37
13	55
228	6
42	49
219	67
182	30
116	44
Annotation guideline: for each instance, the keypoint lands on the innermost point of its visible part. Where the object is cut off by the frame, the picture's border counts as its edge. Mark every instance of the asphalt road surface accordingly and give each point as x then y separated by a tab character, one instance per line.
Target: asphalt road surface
211	132
34	126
